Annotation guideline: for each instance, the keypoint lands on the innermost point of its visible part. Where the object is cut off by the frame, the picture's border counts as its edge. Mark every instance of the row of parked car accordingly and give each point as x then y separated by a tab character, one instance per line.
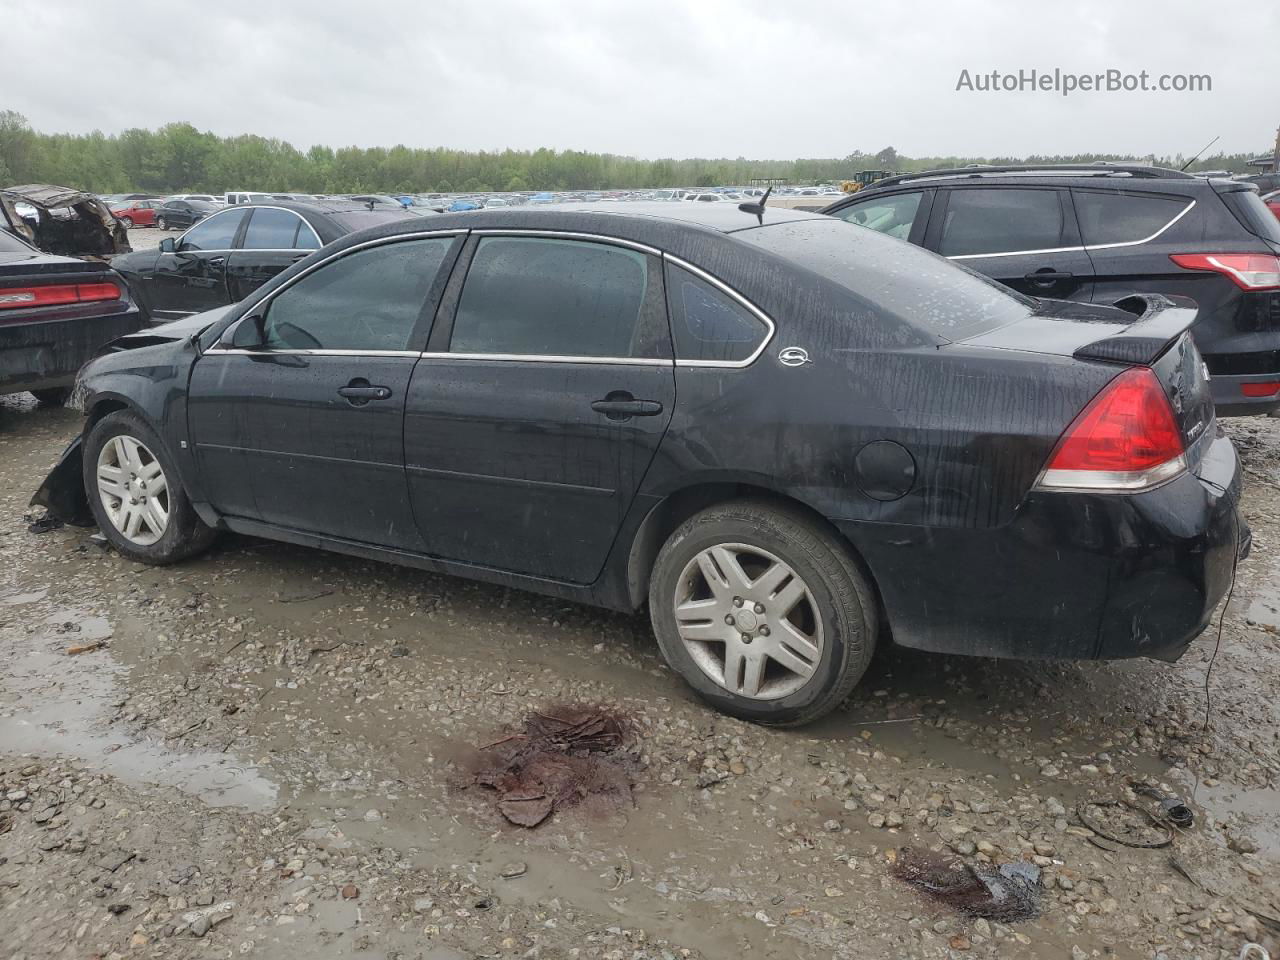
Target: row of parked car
793	436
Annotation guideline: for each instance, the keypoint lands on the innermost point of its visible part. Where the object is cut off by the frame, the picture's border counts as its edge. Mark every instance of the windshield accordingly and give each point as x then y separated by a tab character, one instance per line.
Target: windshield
1253	214
914	285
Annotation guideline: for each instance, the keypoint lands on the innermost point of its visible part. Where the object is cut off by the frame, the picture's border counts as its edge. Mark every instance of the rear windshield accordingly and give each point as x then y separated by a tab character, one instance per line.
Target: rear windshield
11	244
915	286
1253	214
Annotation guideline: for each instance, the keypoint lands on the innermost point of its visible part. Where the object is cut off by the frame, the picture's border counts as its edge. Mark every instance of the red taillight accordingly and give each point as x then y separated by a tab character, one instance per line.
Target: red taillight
21	298
1126	439
1250	271
1267	388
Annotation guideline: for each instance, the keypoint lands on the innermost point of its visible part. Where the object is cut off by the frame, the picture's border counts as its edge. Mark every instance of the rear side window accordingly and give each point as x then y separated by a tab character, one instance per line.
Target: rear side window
1123	217
550	297
1249	209
892	215
707	324
271	229
367	300
980	221
214	233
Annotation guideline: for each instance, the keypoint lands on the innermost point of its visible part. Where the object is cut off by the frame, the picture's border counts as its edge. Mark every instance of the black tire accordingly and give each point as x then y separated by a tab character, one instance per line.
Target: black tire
52	396
185	534
161	223
840	591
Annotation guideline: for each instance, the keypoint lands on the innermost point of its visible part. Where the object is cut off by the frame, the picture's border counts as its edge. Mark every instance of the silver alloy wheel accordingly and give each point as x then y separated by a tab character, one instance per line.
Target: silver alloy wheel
748	621
133	489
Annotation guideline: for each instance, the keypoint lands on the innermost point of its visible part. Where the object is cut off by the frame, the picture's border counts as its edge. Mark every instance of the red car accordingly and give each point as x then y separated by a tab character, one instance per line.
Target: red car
1272	200
136	213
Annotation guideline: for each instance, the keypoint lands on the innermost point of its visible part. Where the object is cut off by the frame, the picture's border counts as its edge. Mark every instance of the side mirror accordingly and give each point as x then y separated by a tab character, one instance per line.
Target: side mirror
250	332
168	245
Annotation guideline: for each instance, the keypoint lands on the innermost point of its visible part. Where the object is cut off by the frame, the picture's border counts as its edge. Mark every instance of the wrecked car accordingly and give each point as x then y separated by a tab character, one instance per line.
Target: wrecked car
63	221
791	438
55	313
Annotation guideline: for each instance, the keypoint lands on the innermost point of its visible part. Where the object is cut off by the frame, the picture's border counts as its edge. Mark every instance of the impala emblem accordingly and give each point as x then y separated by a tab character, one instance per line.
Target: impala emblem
793	356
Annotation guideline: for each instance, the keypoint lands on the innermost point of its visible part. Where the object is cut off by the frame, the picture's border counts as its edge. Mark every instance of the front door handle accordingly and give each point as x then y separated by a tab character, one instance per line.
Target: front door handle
1048	275
360	391
623	406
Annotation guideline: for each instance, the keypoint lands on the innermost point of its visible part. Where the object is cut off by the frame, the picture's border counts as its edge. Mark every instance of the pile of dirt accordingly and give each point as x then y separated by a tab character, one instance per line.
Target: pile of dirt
1007	893
563	755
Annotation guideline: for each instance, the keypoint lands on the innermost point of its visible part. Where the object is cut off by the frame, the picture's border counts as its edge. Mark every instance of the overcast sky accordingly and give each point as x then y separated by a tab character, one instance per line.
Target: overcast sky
753	78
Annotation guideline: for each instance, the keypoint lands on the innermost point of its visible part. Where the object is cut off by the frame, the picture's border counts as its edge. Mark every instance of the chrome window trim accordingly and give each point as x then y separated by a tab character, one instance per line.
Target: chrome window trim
746	304
547	358
567	235
1085	248
396	238
242	352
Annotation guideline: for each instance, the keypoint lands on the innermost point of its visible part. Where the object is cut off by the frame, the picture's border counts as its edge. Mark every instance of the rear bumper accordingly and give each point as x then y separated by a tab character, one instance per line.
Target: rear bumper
1229	399
48	352
1073	576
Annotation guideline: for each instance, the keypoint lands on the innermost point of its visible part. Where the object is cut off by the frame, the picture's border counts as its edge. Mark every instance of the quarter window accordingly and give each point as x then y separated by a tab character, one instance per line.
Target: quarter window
215	233
1123	218
367	300
891	215
707	324
271	229
551	297
1001	221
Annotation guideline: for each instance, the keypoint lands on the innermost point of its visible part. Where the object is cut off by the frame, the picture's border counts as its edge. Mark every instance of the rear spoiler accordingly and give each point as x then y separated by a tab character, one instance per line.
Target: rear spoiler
1161	320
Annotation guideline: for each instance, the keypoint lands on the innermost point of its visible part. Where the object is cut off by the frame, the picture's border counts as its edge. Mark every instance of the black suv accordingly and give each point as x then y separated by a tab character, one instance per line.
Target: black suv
1100	233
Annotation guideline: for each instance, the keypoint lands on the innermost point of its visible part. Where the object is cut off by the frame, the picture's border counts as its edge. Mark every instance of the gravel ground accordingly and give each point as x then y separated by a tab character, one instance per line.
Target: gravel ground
264	749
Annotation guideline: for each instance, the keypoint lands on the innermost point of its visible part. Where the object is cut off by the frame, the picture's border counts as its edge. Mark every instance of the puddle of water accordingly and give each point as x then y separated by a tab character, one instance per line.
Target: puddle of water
1253	812
59	704
14	599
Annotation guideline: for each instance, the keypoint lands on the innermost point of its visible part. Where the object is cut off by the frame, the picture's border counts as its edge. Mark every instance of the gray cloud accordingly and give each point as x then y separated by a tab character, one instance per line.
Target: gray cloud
753	78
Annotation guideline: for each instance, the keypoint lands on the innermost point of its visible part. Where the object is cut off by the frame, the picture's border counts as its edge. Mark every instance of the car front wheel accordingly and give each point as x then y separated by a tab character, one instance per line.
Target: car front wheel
135	494
126	222
161	223
763	612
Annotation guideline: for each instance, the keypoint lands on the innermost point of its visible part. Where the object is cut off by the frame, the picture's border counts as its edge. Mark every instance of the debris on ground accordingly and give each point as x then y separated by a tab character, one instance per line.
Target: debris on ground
1174	809
563	755
86	648
1123	822
43	523
1008	893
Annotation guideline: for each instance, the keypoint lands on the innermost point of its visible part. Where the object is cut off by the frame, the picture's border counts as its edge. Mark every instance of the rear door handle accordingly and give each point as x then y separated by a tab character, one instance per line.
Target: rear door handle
1048	276
623	409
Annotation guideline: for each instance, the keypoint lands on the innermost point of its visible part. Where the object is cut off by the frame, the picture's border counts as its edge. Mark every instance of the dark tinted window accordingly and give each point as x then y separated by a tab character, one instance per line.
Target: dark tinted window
271	229
305	238
202	206
1001	221
706	323
904	282
534	295
1123	217
11	244
213	233
367	300
1253	214
892	215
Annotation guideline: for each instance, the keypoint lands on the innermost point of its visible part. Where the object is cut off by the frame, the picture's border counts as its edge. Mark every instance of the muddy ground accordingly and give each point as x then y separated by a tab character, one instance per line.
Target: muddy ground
263	756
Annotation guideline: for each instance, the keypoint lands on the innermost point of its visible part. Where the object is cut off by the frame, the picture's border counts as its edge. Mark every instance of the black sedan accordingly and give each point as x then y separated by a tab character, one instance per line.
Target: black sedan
236	249
55	313
180	214
790	437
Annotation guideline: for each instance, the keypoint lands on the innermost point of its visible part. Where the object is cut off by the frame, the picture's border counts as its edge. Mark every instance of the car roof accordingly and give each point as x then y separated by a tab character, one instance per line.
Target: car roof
1126	176
718	217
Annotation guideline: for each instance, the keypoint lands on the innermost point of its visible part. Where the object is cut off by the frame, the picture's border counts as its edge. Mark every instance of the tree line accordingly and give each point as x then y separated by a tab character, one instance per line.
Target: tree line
179	158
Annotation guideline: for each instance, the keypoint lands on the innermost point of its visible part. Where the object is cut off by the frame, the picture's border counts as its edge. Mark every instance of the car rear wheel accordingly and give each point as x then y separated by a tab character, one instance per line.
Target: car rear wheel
763	612
160	222
135	495
127	222
52	396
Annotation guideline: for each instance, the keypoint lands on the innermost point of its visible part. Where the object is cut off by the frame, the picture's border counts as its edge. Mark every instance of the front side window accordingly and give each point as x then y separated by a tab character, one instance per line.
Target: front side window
271	229
707	324
550	297
368	300
1123	217
213	233
982	221
891	215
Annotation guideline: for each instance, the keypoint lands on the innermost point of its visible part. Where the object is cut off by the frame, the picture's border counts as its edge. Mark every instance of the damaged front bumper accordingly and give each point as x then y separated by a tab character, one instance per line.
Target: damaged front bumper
63	493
